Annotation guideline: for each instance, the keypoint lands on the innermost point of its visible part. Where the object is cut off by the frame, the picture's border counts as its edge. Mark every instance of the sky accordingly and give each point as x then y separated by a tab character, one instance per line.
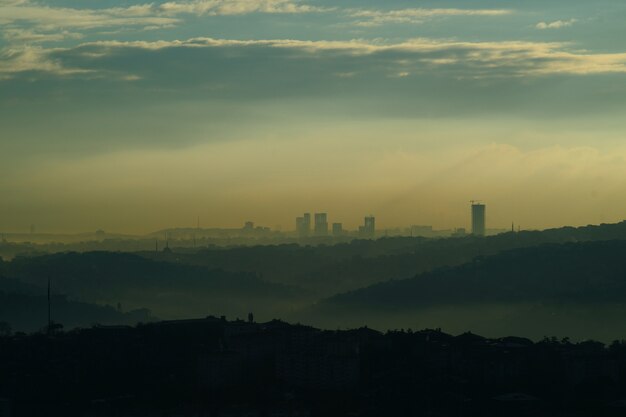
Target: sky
131	116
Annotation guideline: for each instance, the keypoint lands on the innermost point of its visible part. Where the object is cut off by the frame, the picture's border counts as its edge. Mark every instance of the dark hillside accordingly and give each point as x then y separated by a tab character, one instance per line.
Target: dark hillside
533	291
168	289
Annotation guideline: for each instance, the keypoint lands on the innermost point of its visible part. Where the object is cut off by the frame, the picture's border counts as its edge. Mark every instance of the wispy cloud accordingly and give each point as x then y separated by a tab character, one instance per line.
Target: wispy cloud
234	7
20	35
28	22
557	24
27	59
45	18
380	17
520	58
415	56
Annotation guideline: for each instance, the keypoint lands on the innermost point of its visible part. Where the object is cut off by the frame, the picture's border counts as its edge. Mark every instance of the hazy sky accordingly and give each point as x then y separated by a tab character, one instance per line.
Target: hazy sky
132	116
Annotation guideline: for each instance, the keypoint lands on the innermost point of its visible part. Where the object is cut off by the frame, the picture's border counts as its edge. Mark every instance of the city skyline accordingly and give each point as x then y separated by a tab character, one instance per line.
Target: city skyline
347	224
304	228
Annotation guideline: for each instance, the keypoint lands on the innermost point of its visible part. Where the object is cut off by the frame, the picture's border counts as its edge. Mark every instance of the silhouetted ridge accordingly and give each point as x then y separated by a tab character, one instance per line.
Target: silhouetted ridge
574	272
170	290
571	289
330	269
75	272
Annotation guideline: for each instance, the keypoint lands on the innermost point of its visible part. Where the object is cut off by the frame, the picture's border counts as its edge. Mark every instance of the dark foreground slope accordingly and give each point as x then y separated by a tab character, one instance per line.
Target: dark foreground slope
574	289
169	290
212	367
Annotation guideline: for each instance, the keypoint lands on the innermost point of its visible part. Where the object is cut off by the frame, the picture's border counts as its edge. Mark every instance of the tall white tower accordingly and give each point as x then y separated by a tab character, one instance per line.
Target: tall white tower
478	219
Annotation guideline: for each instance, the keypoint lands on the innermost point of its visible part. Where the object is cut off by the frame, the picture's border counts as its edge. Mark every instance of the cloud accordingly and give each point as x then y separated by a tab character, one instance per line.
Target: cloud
19	35
237	60
33	59
234	7
558	24
45	18
46	23
379	17
515	58
27	22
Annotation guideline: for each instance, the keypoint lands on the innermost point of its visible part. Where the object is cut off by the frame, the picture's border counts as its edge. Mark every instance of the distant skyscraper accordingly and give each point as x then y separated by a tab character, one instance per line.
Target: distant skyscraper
321	224
303	225
337	229
301	228
369	227
478	219
307	222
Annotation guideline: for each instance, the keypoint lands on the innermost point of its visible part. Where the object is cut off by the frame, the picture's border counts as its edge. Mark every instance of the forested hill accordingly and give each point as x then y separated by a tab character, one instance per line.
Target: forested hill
24	307
169	290
285	280
329	269
574	287
574	272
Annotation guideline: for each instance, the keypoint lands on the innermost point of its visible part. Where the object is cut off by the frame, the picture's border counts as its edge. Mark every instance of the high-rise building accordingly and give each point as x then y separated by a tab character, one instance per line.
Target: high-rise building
300	226
369	227
337	229
307	222
321	224
478	219
303	225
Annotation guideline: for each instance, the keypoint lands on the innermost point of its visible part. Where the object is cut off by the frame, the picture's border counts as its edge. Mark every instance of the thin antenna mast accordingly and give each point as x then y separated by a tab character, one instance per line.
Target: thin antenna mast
49	309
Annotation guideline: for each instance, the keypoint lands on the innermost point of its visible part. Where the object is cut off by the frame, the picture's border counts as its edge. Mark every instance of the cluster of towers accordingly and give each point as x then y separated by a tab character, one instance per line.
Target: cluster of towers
320	226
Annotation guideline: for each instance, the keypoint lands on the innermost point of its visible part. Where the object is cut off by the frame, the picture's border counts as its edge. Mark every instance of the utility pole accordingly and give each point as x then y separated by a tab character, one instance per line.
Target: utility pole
49	309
